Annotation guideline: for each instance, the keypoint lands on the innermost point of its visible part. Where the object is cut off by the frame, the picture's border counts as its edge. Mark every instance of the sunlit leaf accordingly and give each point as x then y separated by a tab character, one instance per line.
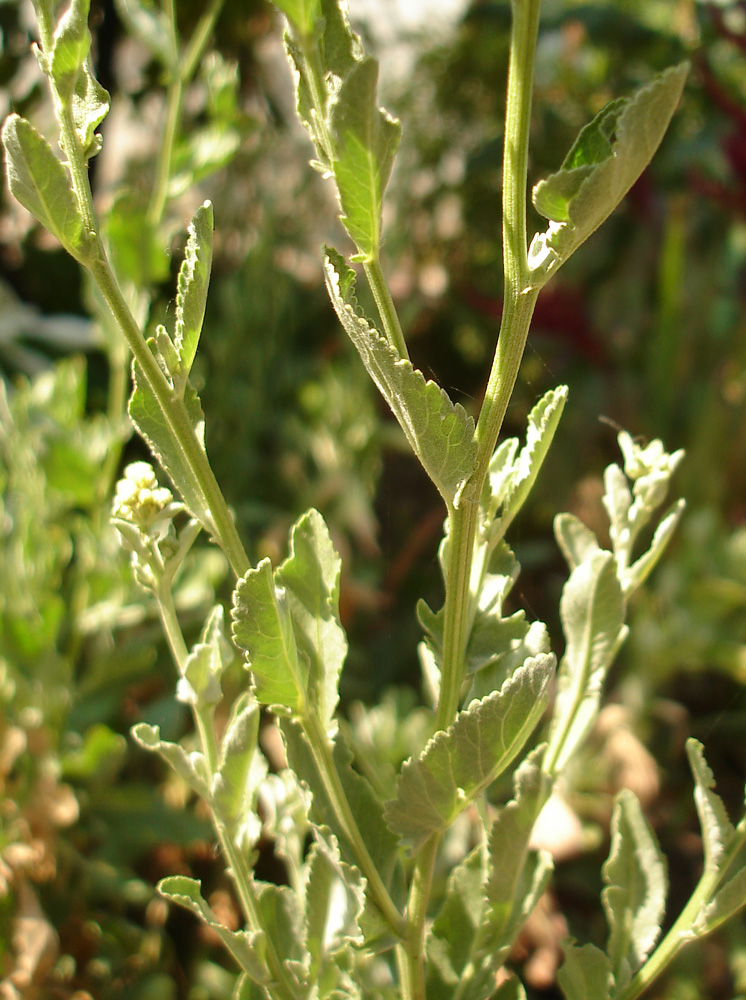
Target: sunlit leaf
717	829
639	571
462	761
200	682
70	46
335	897
191	768
240	768
194	278
440	433
576	541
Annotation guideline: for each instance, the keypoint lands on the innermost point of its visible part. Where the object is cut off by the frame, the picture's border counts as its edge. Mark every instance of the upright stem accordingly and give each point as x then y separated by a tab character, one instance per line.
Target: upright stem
385	304
412	950
518	306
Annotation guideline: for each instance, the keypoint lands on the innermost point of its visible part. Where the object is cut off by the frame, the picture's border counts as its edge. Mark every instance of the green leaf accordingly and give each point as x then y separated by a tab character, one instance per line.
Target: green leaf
585	974
191	768
440	433
240	770
542	424
617	500
592	611
461	762
451	937
247	948
200	682
137	253
726	903
90	105
309	578
636	884
577	542
194	278
262	626
303	15
281	911
41	183
606	160
717	829
335	897
247	989
156	427
70	46
365	139
511	989
639	571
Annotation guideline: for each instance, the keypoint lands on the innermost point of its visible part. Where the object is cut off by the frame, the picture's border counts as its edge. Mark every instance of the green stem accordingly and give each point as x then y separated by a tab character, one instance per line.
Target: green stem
322	753
177	419
518	306
385	304
412	959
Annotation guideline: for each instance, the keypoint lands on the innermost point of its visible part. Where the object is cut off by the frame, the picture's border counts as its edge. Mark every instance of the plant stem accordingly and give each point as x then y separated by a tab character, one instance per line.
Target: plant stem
412	960
519	302
322	753
385	304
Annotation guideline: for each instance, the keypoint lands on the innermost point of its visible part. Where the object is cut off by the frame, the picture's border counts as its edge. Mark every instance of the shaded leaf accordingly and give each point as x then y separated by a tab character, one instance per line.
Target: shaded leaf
41	183
240	770
726	903
636	885
639	571
194	278
453	932
585	973
606	160
90	105
248	949
148	23
440	433
191	768
462	761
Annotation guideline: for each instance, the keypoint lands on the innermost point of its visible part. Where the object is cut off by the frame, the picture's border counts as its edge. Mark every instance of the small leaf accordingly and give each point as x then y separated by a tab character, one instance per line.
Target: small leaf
717	829
335	897
365	139
41	183
617	500
70	47
280	909
607	159
636	884
90	105
155	425
454	930
200	683
248	949
440	433
240	770
194	278
191	768
461	762
577	542
262	626
592	611
639	571
585	973
726	903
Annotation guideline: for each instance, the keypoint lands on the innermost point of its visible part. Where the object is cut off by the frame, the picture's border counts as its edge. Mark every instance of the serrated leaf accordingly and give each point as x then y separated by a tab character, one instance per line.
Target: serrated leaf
200	682
247	948
639	571
191	768
309	578
262	626
155	426
462	761
41	183
542	424
440	433
592	611
577	542
365	139
240	770
70	46
717	829
585	973
335	897
194	278
90	105
593	180
726	903
636	885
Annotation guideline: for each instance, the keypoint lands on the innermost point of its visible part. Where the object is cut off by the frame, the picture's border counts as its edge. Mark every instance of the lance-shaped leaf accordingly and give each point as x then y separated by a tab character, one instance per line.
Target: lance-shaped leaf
309	578
155	425
194	278
585	973
90	105
262	626
190	767
199	684
365	139
248	949
440	433
461	762
639	571
70	46
41	183
335	897
592	611
636	884
605	161
542	424
717	829
240	770
577	542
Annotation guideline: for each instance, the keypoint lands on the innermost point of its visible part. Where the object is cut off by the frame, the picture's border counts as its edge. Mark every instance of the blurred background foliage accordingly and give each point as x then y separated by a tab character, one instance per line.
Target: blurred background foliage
647	326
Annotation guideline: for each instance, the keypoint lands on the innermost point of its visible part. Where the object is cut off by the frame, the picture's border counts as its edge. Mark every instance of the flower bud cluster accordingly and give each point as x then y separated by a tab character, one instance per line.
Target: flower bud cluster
140	500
